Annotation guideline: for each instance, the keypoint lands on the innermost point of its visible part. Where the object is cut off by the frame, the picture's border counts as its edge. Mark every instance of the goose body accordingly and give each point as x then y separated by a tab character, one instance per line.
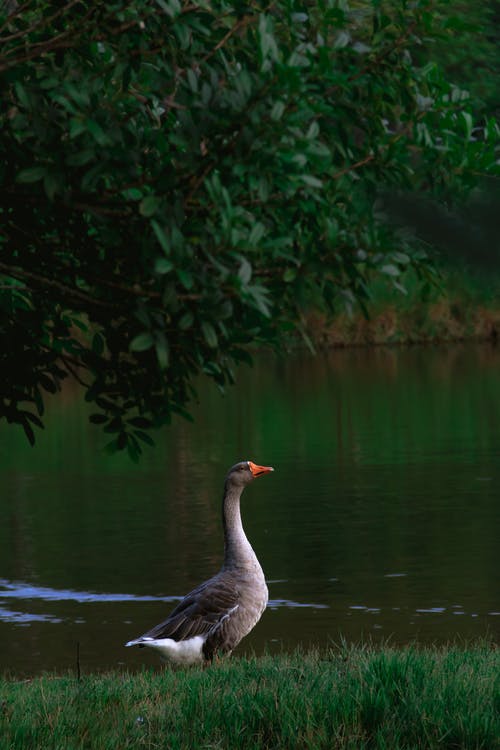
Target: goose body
214	617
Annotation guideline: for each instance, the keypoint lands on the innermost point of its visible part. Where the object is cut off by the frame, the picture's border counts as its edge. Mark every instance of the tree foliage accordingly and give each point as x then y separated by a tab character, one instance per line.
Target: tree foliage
469	50
181	179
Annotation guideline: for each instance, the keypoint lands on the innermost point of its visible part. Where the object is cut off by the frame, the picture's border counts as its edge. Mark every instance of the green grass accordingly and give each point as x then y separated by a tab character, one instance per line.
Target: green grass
353	697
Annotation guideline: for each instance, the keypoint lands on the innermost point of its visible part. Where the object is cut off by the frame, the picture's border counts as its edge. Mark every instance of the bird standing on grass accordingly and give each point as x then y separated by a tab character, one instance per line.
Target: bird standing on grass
216	615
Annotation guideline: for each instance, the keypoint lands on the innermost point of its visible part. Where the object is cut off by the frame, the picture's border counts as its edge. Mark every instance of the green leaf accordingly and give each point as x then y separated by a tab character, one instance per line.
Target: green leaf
171	7
106	404
134	450
467	117
313	131
76	127
149	205
92	177
342	39
142	342
33	418
277	110
122	440
400	288
144	437
402	258
319	150
361	48
132	194
257	233
161	236
259	297
162	350
32	174
38	401
97	132
209	334
163	266
186	321
186	278
22	95
192	80
80	158
98	418
312	181
245	271
143	422
28	431
50	184
116	425
289	275
98	344
391	270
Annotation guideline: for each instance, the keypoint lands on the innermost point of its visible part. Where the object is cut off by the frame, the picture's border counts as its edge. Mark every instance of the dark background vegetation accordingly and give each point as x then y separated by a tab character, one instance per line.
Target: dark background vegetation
182	180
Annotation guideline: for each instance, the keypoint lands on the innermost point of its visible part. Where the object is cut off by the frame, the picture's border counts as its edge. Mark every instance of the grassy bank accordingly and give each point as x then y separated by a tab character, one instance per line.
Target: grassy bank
465	307
348	698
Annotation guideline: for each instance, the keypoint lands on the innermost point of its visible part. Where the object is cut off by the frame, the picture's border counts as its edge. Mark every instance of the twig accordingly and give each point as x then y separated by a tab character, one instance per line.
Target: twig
36	49
245	21
34	53
357	164
102	210
199	180
78	673
73	372
41	22
20	273
14	14
399	41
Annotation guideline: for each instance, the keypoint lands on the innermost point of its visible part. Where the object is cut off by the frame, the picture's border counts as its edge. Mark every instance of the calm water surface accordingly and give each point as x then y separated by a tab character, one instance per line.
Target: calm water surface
380	521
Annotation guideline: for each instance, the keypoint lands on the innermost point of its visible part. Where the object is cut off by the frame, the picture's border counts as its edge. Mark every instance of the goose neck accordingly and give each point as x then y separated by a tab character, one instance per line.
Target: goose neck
237	549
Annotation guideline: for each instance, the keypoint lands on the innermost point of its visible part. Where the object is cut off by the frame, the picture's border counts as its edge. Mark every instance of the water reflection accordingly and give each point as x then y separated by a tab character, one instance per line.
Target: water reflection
27	592
7	615
381	518
19	590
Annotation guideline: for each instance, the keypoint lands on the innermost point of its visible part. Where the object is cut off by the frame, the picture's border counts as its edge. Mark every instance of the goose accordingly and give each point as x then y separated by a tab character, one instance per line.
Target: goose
213	618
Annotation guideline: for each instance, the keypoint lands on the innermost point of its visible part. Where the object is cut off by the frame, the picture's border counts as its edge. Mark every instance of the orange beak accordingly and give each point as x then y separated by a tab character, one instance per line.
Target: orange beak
258	470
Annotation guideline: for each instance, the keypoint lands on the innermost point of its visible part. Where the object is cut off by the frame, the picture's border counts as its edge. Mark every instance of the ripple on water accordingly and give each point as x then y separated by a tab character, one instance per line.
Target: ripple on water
27	592
21	590
25	618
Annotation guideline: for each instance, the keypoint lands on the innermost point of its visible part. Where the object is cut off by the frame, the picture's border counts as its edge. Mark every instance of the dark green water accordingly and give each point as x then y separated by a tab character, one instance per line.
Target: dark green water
380	521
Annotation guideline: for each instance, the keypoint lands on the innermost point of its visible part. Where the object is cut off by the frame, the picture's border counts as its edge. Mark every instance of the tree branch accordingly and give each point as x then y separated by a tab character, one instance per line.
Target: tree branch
15	13
23	275
66	361
376	60
245	21
42	22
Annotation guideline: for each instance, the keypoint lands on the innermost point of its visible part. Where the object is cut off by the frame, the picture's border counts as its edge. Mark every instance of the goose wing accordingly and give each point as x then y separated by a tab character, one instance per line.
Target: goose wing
201	612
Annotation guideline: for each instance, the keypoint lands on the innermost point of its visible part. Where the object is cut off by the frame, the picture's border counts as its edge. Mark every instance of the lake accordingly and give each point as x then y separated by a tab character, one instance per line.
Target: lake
380	522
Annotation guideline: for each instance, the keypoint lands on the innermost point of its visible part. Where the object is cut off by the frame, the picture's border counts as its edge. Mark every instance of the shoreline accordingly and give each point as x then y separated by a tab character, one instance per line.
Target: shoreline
351	697
436	323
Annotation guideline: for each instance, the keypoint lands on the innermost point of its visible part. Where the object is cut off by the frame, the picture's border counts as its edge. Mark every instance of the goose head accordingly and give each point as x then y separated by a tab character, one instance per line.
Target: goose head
245	472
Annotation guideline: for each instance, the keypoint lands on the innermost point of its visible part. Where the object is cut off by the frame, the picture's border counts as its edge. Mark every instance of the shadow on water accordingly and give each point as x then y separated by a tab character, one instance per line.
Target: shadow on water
380	521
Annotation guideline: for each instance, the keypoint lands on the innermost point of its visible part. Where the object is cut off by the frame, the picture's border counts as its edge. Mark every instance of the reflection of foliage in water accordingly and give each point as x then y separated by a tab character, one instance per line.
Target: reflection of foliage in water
385	463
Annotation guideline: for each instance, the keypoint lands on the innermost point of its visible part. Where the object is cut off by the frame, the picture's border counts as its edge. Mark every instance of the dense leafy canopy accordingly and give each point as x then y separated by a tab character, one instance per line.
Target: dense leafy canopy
181	179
